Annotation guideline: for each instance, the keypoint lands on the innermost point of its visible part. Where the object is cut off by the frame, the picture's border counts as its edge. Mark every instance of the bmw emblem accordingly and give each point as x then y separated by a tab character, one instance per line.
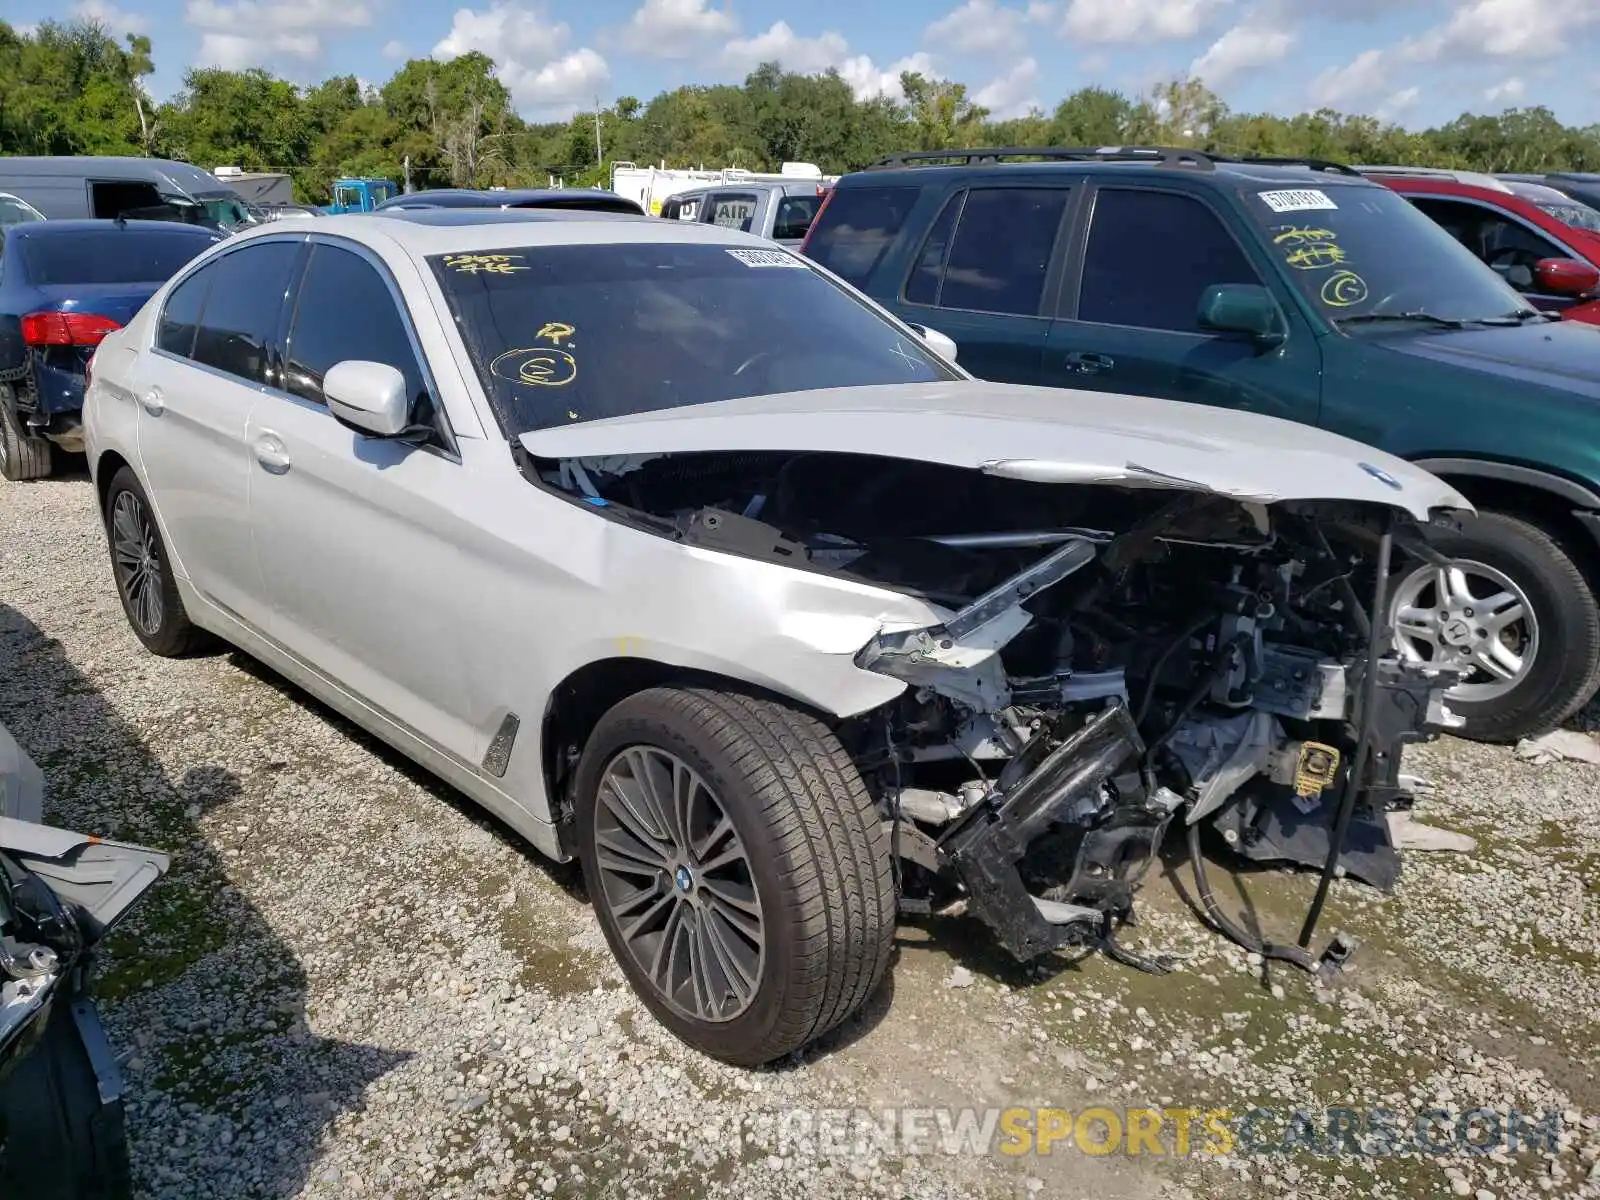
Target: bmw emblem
1380	475
684	880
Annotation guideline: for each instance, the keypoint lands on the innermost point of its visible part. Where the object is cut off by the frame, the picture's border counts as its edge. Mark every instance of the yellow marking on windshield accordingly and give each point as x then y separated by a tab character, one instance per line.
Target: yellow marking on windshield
555	332
492	264
1344	289
535	366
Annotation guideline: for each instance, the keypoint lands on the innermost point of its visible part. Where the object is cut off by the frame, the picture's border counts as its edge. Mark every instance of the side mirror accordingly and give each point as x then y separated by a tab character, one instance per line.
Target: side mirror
940	344
1241	308
1565	276
370	396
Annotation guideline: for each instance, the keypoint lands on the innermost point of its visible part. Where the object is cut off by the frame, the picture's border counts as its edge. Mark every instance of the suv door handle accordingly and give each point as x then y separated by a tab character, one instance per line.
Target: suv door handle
272	454
1088	363
152	402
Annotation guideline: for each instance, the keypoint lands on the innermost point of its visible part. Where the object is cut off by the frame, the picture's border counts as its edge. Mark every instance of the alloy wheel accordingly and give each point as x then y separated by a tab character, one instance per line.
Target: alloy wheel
1467	615
138	565
676	879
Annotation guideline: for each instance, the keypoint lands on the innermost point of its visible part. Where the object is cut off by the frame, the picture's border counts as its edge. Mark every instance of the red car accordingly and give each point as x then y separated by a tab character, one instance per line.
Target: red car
1554	264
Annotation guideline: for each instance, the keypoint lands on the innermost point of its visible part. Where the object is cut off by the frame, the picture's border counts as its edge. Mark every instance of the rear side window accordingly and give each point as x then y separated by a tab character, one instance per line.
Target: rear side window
794	217
113	199
345	311
991	252
734	211
1151	257
181	316
134	254
240	317
857	227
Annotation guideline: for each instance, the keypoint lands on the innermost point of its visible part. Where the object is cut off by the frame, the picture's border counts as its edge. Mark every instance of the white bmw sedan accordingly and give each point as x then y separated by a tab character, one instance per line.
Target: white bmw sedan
681	557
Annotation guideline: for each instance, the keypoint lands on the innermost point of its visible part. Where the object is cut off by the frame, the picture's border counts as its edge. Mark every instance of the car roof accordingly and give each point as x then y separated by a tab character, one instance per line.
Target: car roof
76	227
1501	194
587	198
1538	193
425	232
1173	161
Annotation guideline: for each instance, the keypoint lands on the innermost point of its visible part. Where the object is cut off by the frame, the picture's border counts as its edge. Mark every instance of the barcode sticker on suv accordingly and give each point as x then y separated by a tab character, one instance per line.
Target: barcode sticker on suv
1297	200
767	258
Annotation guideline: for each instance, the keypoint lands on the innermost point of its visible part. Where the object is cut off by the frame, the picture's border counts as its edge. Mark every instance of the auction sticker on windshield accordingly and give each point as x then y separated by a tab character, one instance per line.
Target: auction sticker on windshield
767	258
1297	200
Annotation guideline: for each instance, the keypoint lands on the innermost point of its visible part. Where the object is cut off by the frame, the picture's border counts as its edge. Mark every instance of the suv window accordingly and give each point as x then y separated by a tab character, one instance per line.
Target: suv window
1150	258
181	316
857	226
998	254
345	310
241	313
794	217
734	210
1508	246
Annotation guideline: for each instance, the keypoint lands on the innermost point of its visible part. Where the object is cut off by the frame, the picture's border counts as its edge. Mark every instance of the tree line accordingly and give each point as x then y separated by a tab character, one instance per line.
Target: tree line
73	88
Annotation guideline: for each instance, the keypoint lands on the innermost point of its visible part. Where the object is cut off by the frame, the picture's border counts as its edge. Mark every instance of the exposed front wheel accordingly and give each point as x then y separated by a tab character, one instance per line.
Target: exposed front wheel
143	571
738	868
1514	610
21	456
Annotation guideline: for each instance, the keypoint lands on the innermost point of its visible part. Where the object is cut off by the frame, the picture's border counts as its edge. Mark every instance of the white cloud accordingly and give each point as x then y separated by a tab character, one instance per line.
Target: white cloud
1135	20
1395	106
981	27
781	44
1242	48
1507	29
113	18
1012	94
673	28
1356	81
395	49
291	29
1511	90
530	56
868	82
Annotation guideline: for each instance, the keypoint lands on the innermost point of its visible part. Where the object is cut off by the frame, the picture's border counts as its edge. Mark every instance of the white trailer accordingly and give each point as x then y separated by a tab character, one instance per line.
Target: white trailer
651	185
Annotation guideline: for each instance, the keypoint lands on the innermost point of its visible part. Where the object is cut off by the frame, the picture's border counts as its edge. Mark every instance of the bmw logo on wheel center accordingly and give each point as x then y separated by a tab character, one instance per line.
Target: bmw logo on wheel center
1381	475
684	880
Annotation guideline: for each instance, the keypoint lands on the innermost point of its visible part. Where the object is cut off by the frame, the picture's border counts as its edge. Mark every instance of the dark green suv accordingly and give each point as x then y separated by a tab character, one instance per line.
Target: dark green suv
1300	290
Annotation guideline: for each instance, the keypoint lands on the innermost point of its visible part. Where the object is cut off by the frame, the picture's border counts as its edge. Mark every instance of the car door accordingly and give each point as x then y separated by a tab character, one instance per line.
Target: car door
351	532
1508	245
986	274
195	389
1130	318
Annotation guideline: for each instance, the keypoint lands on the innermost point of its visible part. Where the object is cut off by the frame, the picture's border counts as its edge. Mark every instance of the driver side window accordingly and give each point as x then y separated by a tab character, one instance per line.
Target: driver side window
345	310
1509	248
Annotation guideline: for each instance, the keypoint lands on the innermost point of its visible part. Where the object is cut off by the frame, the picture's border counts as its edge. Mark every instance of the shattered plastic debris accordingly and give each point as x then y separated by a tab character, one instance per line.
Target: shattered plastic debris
1409	834
1558	745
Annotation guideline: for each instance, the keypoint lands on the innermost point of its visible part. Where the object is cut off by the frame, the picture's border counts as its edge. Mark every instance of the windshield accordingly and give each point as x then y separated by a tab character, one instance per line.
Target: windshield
95	256
1363	251
228	211
576	333
15	212
1579	216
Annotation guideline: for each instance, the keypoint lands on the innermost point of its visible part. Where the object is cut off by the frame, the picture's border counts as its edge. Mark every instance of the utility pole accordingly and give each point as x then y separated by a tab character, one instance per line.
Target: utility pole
599	150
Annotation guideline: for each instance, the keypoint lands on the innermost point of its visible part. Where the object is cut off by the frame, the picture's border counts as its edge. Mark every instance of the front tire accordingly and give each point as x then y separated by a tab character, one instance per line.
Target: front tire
1515	608
738	867
143	570
21	456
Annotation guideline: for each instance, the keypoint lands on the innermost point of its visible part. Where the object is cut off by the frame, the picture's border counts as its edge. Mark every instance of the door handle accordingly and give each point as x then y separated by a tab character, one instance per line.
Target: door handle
1088	363
272	454
152	402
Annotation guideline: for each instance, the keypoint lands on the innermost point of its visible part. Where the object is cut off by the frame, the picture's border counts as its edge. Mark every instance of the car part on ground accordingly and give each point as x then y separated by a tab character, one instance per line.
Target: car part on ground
774	635
1290	287
61	1123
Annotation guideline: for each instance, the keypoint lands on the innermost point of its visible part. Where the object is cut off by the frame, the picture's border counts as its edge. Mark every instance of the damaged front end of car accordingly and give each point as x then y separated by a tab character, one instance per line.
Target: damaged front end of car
1118	649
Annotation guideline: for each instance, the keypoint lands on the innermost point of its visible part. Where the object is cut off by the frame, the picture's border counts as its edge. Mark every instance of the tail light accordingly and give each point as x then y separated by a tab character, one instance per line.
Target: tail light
66	328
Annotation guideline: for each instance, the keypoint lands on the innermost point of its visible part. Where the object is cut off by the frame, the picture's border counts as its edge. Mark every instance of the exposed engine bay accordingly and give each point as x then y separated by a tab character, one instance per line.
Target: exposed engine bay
1116	659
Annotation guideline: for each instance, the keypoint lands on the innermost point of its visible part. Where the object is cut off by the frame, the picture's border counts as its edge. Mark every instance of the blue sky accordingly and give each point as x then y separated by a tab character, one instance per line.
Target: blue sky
1415	61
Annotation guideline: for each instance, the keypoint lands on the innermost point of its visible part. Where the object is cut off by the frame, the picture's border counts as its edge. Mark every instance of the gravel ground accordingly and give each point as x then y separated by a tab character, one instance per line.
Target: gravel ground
351	984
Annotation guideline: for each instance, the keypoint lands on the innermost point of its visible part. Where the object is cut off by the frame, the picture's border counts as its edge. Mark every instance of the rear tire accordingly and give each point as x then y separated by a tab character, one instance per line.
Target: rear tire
803	856
143	571
21	456
1557	639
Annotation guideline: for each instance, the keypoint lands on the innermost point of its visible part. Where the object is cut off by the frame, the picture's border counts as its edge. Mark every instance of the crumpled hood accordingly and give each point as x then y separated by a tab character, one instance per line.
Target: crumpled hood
1046	435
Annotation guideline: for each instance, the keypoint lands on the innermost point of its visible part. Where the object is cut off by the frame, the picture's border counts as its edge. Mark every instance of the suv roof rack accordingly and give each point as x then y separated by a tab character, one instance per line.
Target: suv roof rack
1315	164
1165	155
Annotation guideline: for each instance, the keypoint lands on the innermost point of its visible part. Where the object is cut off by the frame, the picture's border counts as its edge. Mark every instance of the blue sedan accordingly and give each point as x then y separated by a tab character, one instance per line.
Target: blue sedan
64	285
